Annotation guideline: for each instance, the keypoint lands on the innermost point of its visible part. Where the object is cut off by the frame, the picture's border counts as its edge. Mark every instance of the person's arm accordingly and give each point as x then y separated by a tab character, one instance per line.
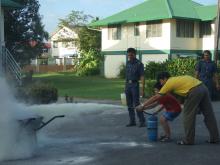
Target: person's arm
142	80
149	102
215	76
160	109
142	86
197	68
153	105
216	79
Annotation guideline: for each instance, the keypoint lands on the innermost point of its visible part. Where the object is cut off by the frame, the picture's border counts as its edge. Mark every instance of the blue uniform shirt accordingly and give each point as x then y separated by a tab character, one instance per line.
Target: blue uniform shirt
134	70
206	70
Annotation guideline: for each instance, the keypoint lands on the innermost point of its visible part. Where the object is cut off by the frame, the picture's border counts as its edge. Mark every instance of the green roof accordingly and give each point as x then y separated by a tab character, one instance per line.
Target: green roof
207	13
10	3
161	9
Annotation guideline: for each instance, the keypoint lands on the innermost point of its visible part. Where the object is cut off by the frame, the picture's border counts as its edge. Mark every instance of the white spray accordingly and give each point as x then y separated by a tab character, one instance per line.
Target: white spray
15	141
18	142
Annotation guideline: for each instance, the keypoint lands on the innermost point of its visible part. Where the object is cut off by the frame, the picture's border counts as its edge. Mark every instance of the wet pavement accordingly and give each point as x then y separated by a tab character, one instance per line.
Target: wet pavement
99	137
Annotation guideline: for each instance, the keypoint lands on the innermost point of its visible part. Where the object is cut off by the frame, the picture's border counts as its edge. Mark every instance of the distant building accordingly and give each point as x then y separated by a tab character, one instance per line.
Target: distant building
63	43
159	30
46	50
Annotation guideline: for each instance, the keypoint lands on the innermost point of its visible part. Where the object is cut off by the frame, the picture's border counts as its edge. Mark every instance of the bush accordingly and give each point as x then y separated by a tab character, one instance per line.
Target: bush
122	71
176	67
149	84
181	66
153	68
42	93
89	64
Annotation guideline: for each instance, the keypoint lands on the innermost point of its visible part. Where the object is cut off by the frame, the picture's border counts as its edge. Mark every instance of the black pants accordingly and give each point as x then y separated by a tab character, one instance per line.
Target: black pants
132	96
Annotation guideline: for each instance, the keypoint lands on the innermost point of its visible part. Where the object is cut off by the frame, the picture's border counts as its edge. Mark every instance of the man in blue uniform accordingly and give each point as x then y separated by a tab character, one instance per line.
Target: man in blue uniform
134	73
206	71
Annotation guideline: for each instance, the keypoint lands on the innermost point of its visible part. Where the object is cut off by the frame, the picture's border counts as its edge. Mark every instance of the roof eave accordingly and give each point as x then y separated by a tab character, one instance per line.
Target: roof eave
11	4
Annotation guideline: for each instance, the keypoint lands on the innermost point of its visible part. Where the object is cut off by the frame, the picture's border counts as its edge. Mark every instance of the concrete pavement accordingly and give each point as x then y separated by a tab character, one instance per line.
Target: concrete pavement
101	138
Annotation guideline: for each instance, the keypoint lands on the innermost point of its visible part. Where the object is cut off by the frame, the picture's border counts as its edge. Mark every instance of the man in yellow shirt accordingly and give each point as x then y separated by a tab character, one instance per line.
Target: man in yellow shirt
196	97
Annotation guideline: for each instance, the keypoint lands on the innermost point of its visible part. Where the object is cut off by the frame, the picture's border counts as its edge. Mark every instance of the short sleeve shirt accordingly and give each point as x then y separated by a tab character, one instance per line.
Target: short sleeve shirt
170	103
179	85
206	69
134	70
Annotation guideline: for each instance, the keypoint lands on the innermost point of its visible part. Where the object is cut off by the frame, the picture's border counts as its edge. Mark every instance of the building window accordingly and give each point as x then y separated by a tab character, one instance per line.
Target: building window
185	28
154	29
68	44
55	44
136	29
205	29
114	32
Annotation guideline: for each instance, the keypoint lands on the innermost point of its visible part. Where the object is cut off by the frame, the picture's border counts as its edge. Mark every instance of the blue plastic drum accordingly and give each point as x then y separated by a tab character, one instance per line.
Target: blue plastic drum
152	126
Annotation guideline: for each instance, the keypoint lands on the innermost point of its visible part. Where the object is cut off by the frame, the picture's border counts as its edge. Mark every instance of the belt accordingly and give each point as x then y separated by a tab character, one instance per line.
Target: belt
132	81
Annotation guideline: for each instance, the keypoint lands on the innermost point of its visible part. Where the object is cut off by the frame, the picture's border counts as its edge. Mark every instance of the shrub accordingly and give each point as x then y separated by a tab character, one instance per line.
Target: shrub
89	64
42	93
27	77
153	68
149	87
38	93
181	66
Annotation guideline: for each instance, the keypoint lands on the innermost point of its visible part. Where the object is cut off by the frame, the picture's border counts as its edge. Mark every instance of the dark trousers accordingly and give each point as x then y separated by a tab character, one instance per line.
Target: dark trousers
198	98
209	84
132	96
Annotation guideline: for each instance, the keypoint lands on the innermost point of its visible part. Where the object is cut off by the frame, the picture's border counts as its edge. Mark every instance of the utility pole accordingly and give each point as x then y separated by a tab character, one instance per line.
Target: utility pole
217	33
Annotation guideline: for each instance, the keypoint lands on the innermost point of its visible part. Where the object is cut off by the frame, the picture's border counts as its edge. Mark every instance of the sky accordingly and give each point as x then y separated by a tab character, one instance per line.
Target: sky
53	10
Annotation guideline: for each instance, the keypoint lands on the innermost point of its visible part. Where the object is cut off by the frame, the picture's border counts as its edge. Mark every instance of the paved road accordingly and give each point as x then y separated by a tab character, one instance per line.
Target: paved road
99	137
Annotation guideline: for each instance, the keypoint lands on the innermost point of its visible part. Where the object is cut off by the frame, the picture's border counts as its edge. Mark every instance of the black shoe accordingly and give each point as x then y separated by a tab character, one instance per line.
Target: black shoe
142	125
131	125
212	142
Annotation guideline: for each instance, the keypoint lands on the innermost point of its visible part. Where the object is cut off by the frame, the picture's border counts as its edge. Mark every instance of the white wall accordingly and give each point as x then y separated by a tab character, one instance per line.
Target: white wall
207	42
112	65
140	42
154	57
184	43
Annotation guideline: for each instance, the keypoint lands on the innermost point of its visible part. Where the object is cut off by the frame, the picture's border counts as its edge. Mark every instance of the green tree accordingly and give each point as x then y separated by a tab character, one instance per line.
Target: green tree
89	39
22	26
75	19
89	42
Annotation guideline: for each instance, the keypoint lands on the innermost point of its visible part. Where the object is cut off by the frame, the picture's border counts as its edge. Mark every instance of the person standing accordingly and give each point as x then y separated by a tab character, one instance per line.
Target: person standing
206	71
134	73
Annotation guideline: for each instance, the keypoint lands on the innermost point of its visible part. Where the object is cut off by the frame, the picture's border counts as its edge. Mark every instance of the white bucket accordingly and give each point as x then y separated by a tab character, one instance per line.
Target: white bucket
123	99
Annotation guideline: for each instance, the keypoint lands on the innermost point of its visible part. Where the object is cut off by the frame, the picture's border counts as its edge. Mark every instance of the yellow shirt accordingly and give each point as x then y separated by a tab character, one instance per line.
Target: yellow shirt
179	85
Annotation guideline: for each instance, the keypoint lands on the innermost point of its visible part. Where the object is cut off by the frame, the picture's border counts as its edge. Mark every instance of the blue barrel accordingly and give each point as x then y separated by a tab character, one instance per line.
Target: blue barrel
152	124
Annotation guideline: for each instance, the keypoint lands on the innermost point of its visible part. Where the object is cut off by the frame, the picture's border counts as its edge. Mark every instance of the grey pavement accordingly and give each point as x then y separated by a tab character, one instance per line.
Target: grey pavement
101	138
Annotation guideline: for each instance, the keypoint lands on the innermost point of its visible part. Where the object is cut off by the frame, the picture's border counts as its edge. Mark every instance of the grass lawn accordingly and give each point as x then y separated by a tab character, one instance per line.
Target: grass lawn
84	87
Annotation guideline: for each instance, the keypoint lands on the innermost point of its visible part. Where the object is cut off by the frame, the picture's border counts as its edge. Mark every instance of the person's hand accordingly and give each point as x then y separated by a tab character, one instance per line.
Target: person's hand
142	94
217	87
139	107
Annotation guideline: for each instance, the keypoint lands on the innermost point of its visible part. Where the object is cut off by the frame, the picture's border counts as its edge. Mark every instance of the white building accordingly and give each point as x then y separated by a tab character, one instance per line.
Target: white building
159	30
63	43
